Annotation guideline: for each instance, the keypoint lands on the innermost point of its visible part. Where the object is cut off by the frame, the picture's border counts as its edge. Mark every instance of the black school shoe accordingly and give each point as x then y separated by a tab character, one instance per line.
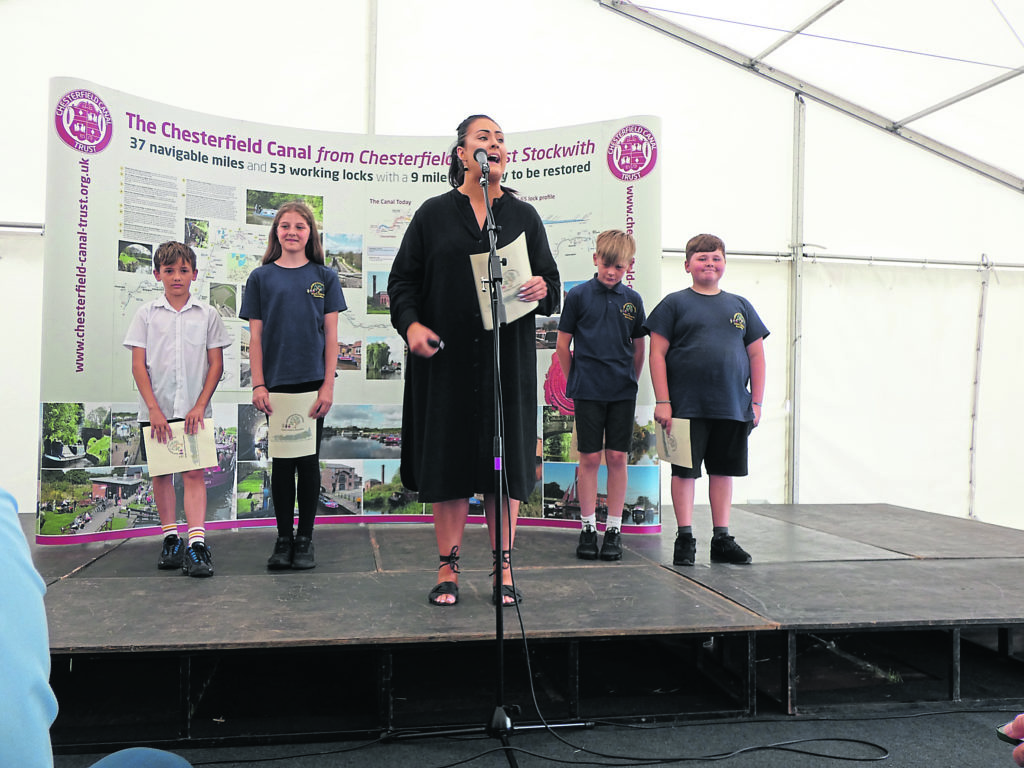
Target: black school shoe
611	547
587	548
281	559
198	562
172	553
685	550
302	556
724	549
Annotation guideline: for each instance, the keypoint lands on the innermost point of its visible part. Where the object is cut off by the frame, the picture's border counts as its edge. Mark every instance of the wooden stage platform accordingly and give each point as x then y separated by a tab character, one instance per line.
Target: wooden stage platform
845	606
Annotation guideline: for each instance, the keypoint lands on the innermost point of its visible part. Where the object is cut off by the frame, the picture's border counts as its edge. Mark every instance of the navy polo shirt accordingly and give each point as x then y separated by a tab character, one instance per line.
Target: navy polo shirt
603	323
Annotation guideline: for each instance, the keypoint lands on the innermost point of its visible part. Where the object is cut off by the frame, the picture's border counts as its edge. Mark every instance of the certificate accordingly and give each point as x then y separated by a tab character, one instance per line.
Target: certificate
515	271
182	452
675	447
292	431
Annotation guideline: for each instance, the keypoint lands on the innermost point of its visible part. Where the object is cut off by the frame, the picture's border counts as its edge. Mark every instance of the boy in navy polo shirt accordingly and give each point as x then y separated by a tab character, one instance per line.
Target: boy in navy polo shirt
603	321
706	347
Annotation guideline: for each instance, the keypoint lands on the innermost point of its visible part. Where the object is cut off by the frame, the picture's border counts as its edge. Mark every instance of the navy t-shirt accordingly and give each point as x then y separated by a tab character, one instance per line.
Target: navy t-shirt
707	365
291	303
603	322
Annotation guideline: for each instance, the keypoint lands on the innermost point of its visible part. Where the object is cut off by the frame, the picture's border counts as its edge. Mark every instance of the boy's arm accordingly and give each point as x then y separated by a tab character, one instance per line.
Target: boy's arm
562	351
158	426
194	418
639	350
260	393
755	352
659	378
325	396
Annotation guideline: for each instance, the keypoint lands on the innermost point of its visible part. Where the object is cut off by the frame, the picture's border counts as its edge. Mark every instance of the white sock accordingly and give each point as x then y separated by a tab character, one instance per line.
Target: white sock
613	522
590	521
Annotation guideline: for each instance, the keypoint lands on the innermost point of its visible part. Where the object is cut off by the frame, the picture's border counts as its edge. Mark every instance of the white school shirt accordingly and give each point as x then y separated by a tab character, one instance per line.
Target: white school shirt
176	344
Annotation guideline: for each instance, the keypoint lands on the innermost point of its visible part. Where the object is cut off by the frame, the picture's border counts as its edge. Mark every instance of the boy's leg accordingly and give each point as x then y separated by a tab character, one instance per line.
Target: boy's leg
682	500
197	554
586	490
726	458
611	547
166	503
720	496
684	550
172	548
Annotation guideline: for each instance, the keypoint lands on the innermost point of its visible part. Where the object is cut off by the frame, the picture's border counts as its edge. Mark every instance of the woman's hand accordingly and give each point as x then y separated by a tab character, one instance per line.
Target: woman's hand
534	289
422	341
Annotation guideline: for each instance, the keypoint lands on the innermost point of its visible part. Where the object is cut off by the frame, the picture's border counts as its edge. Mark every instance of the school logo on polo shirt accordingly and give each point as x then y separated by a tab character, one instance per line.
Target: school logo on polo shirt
629	311
739	322
316	290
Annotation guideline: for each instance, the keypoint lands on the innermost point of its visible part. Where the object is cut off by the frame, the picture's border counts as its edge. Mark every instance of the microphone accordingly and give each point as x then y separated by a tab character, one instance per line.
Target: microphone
481	157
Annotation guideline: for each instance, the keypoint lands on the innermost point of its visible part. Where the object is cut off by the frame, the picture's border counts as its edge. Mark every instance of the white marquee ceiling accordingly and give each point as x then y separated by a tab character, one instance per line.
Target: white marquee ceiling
946	71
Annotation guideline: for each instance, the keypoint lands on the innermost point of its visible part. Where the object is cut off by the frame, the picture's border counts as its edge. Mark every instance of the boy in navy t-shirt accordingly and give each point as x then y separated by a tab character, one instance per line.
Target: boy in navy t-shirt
602	321
706	346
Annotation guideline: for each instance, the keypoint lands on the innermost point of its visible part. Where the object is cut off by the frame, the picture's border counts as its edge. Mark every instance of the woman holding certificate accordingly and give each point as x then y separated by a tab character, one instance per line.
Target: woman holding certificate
448	410
292	303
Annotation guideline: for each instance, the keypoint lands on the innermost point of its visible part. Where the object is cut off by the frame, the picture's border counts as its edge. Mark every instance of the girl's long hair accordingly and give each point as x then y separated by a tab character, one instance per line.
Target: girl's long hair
314	248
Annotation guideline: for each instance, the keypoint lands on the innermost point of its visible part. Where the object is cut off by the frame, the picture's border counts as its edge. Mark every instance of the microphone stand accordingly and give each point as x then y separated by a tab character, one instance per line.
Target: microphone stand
500	725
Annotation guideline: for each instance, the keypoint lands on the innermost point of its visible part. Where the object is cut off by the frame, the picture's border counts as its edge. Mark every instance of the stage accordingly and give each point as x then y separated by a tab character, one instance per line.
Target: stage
844	607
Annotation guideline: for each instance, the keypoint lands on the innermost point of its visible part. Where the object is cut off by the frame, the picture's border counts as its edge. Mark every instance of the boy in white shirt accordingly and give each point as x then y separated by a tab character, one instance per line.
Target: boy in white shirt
177	346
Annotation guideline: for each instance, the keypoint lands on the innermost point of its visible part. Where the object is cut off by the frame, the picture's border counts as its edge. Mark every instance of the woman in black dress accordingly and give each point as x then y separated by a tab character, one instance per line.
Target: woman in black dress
448	409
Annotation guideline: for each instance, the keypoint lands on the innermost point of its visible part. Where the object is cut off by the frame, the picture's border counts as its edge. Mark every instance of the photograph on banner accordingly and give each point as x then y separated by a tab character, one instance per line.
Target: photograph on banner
341	487
75	435
642	504
383	492
362	431
150	172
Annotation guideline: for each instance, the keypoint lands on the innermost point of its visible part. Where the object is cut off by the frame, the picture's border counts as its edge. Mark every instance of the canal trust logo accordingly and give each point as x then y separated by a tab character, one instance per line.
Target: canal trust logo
83	121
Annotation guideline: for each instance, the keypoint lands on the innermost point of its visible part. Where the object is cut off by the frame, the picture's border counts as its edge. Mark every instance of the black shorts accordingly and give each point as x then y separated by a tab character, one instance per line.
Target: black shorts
721	444
604	425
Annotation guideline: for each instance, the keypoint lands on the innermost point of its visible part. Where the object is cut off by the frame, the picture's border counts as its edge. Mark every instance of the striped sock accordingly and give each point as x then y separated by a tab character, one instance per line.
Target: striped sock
170	530
197	534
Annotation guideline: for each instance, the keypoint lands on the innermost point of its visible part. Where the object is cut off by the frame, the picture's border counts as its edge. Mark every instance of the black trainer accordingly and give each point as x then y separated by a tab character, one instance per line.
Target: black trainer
282	557
724	549
198	562
685	550
302	555
587	548
611	547
171	555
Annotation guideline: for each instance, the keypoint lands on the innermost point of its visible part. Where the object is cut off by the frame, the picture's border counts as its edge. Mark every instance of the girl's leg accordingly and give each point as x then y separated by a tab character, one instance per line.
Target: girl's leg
282	491
309	486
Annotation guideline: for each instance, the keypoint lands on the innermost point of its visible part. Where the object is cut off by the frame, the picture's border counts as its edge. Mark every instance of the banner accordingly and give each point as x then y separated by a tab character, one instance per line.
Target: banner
125	174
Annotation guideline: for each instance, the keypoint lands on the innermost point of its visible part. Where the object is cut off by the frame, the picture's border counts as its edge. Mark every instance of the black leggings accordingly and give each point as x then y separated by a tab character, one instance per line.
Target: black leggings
283	484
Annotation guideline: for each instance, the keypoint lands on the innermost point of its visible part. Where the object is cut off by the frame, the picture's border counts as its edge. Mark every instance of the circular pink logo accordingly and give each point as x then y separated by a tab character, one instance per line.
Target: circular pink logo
83	121
632	152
